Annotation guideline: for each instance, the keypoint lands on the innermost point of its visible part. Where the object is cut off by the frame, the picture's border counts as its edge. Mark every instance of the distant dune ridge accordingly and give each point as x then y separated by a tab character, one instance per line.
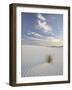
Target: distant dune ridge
33	61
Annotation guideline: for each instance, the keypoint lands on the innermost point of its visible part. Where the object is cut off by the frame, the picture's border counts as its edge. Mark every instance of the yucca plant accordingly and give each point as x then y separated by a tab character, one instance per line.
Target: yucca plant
49	59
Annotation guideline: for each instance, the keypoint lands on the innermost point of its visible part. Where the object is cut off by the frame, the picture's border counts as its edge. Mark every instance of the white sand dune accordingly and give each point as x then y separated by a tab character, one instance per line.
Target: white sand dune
34	61
44	69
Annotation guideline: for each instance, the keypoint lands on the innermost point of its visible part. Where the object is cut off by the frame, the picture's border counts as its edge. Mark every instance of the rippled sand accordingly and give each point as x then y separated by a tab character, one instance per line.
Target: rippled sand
33	61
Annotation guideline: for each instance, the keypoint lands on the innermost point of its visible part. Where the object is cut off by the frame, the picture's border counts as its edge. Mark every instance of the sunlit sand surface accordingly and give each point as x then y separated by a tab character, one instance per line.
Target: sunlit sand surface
34	61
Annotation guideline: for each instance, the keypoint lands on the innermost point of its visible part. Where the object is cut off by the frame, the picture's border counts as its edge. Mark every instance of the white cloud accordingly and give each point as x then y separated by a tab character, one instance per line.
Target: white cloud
34	34
46	28
51	41
43	26
48	41
31	38
39	16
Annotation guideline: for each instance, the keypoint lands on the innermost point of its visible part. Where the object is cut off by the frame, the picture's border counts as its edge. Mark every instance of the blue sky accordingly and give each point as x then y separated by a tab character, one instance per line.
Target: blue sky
42	29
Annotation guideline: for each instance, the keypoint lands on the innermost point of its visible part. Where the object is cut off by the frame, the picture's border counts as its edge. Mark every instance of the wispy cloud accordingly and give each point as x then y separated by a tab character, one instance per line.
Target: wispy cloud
39	16
34	34
42	24
45	36
51	41
31	38
47	41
